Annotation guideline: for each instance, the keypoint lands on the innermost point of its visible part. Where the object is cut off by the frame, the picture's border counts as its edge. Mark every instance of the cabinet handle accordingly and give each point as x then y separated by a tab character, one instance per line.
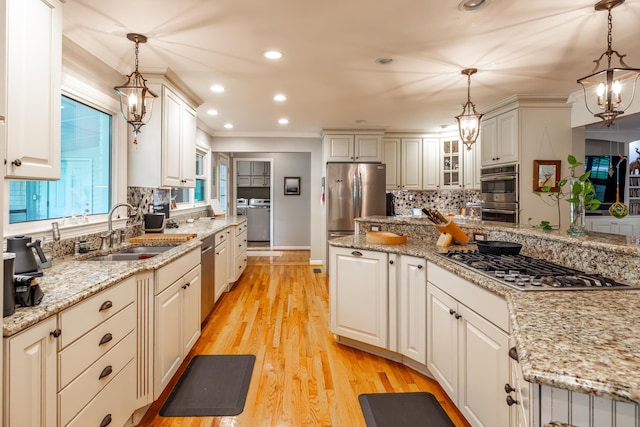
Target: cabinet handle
420	267
458	315
356	253
106	338
511	401
452	311
508	388
185	286
513	353
56	333
106	372
106	421
17	163
106	305
391	261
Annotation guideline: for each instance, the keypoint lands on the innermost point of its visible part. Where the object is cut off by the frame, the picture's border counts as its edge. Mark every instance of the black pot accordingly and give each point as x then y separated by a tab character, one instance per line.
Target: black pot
497	247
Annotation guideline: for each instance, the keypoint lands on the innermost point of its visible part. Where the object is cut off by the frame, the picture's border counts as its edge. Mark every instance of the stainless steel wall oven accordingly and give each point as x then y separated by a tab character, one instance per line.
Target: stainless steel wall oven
499	193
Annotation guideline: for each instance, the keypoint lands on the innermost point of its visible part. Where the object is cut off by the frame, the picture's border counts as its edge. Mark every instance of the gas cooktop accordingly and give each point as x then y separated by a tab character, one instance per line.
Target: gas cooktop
531	274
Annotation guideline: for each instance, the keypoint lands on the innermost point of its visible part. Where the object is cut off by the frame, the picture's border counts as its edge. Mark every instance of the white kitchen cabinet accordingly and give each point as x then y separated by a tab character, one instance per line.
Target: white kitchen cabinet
500	140
358	289
165	155
353	147
608	224
430	164
466	350
30	376
231	258
240	250
221	264
412	308
30	80
403	157
522	393
260	168
177	316
450	163
471	163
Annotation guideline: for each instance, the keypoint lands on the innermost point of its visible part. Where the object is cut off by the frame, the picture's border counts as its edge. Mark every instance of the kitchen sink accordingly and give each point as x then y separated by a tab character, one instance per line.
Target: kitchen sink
134	253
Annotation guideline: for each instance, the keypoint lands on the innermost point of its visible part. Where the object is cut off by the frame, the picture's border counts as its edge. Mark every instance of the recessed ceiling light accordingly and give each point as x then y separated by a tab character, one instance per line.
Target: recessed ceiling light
228	126
273	54
212	112
471	5
279	97
384	61
217	88
283	121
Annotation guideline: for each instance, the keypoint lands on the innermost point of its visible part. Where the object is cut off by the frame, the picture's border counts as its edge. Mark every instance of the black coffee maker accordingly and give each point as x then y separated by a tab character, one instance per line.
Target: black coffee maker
25	263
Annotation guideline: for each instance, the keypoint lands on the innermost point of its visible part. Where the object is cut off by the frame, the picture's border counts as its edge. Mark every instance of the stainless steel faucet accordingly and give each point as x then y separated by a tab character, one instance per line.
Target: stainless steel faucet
107	236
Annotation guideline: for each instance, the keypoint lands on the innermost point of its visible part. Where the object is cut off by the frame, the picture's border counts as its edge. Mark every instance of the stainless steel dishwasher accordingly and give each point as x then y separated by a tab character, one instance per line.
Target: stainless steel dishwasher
207	262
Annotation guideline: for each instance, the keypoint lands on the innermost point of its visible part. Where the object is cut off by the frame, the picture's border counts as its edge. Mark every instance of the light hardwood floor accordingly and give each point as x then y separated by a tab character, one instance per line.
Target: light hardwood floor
279	311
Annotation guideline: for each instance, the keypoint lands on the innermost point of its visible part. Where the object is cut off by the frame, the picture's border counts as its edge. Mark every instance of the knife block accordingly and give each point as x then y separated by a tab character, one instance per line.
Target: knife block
451	229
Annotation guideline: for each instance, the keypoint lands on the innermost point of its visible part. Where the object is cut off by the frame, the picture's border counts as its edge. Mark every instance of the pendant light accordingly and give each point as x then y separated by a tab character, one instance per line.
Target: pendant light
469	119
614	86
136	99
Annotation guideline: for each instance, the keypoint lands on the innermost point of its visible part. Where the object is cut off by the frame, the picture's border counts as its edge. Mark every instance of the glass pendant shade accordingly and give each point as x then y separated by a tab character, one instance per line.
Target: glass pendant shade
136	99
608	92
469	119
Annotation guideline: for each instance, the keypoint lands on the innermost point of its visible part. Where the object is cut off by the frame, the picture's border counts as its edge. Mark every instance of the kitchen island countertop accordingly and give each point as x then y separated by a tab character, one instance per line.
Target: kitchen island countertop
584	341
72	279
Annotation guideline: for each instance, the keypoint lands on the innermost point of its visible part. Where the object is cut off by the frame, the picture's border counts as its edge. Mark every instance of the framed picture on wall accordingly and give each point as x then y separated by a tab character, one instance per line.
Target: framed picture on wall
291	185
546	173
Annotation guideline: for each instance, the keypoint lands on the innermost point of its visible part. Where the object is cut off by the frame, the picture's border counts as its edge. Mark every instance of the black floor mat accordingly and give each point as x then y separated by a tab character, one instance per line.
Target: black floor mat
403	409
212	385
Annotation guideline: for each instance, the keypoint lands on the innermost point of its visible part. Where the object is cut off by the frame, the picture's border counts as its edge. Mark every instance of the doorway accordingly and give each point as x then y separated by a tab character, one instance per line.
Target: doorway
253	195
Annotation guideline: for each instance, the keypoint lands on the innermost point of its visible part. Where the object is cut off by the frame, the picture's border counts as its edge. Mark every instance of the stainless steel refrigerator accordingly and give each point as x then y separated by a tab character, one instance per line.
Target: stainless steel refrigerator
353	190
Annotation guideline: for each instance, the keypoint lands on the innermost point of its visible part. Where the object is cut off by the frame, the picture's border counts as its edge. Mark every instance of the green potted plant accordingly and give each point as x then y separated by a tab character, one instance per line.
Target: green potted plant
579	193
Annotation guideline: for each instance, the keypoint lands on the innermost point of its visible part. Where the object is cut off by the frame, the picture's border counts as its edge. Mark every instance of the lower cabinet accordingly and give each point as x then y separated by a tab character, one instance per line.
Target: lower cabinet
221	265
466	352
177	324
412	308
240	250
358	295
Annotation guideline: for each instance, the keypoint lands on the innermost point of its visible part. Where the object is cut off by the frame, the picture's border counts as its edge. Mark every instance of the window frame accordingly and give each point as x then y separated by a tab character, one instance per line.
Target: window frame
192	204
94	98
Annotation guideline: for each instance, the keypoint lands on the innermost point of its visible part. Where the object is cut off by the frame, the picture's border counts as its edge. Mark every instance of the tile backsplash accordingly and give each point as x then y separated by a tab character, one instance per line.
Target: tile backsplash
444	200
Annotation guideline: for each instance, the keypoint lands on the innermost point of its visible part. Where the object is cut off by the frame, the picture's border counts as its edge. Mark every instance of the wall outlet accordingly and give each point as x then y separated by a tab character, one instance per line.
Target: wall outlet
375	228
479	237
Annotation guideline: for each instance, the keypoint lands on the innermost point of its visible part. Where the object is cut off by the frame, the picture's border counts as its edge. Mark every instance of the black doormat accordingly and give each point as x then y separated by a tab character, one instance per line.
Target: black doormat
212	385
403	409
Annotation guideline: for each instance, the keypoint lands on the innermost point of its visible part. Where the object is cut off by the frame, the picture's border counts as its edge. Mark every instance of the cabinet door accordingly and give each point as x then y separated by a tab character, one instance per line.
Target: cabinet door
411	165
171	135
359	295
188	147
244	181
259	168
483	369
244	167
191	309
507	141
442	340
339	148
392	158
430	164
168	335
471	167
30	377
33	73
368	148
412	325
488	135
259	181
451	163
231	257
221	269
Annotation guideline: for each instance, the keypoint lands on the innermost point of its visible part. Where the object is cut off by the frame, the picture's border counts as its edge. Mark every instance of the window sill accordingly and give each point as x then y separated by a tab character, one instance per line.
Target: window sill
42	229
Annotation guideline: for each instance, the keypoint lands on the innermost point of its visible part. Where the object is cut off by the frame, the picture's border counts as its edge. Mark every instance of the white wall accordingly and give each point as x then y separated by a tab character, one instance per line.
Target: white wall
310	145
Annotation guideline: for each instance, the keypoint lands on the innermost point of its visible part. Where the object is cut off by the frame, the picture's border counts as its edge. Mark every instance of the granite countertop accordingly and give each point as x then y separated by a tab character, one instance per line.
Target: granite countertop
584	341
72	279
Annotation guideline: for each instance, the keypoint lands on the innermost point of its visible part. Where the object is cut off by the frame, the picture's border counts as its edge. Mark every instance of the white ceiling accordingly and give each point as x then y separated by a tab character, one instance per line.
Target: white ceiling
328	71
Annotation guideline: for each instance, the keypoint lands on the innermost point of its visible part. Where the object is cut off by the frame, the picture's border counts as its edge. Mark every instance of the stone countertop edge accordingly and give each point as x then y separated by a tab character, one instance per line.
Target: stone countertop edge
583	341
73	279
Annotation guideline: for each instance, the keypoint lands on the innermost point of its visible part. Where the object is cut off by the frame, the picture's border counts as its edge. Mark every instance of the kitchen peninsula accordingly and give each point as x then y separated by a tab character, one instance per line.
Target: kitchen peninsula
583	346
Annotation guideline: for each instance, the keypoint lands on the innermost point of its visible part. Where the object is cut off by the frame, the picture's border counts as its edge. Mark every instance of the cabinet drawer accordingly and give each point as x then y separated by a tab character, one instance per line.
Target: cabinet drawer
241	263
84	316
221	236
171	272
77	394
241	242
241	228
86	350
115	402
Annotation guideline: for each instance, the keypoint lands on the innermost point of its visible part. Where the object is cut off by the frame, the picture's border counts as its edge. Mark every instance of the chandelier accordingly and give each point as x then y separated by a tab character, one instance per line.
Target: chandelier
469	119
615	87
136	99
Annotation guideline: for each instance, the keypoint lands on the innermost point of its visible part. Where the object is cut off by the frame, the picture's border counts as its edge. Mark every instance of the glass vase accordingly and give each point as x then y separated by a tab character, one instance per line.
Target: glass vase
577	223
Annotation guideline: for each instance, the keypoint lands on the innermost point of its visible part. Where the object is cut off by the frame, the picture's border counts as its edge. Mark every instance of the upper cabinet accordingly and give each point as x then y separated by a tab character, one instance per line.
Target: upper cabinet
353	147
430	164
403	157
30	76
500	142
165	155
451	166
253	173
471	162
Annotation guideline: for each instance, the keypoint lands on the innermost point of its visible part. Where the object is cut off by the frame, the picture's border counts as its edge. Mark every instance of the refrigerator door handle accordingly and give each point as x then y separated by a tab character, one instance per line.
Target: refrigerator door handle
357	191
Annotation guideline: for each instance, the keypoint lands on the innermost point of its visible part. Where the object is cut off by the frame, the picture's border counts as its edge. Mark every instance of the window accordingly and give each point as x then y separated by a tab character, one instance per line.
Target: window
85	171
198	194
